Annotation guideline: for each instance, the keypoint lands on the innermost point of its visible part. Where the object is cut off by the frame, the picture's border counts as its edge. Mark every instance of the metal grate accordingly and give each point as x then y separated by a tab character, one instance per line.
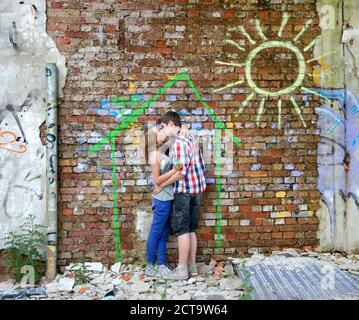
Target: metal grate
299	278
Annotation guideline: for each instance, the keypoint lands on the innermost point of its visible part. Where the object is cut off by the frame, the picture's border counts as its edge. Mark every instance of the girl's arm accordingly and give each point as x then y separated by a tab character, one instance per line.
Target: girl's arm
155	166
175	177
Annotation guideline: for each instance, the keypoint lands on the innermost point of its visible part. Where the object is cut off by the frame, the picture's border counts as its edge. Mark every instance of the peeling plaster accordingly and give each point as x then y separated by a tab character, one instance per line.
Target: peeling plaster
338	117
25	48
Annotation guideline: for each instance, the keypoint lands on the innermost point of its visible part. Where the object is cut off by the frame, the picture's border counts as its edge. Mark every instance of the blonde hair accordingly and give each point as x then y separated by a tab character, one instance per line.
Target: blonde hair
151	143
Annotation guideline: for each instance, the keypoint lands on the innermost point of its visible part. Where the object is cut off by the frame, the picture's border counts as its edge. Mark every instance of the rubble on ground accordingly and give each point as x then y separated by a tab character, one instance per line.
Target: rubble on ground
343	261
128	282
216	280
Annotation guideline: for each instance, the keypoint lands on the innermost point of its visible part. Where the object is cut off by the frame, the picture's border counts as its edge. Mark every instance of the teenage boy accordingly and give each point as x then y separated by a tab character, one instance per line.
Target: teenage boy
189	183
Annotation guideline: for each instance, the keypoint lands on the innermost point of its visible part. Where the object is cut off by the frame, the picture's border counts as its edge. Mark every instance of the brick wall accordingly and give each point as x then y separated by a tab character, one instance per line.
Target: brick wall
126	48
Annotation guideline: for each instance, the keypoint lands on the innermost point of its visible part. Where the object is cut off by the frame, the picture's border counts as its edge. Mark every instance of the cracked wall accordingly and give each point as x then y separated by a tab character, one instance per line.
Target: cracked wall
25	48
338	150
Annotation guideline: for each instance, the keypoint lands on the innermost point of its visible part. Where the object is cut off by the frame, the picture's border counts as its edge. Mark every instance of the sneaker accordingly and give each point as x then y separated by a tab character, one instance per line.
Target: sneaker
163	270
192	269
150	271
180	273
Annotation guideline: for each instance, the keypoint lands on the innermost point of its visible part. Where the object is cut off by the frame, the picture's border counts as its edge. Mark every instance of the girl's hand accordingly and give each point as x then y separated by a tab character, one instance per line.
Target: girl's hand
157	189
178	167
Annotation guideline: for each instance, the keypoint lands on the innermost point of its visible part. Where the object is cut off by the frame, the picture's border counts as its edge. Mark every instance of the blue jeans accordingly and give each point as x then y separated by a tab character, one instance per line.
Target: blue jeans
160	228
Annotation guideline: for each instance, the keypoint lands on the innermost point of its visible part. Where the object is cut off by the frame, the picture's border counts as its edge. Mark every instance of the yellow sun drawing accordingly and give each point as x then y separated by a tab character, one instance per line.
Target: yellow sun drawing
256	90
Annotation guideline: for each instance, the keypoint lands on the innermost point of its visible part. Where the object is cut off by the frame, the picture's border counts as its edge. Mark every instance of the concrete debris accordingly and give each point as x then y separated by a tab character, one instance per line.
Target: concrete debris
231	283
94	266
117	281
291	252
66	284
254	260
184	296
205	270
116	268
7	285
98	279
286	253
212	263
236	261
228	270
73	267
52	287
139	287
211	281
216	281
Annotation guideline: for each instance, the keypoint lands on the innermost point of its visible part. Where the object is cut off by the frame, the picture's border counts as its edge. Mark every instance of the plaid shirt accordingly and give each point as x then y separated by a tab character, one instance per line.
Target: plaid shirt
186	151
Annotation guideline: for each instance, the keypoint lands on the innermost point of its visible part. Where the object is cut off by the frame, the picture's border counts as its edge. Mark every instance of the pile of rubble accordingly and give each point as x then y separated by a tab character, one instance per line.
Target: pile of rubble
342	261
216	280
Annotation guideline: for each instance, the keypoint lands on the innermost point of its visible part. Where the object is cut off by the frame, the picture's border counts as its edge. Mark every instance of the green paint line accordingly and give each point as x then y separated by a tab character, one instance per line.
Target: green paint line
218	134
116	226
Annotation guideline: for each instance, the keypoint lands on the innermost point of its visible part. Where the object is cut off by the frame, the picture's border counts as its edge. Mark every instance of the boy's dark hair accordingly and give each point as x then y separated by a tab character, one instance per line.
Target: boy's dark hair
171	116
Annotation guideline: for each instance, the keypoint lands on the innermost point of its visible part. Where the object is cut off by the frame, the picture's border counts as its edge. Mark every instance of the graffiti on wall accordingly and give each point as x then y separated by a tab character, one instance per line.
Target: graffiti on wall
338	154
119	106
262	94
22	189
9	140
16	181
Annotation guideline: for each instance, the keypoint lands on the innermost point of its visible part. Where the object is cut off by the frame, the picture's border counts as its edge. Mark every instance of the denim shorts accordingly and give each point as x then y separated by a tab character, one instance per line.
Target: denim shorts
184	218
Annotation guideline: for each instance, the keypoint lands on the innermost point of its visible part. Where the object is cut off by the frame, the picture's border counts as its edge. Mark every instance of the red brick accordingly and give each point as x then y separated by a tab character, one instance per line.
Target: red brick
57	5
63	42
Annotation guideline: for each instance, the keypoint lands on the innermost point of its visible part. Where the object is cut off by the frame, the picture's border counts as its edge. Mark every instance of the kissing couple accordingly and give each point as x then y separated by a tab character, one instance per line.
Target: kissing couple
179	177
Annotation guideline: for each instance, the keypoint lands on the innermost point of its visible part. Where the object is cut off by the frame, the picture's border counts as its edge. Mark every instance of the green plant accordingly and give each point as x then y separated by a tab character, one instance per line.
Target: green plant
81	276
164	293
80	271
22	249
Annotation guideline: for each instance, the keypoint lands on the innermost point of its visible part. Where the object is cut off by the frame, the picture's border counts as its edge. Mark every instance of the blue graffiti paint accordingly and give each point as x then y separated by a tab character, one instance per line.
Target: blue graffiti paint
339	138
119	106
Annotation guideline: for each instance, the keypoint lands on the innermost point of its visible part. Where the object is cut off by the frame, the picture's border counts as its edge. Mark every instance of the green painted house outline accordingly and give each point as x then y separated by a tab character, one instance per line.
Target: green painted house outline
133	117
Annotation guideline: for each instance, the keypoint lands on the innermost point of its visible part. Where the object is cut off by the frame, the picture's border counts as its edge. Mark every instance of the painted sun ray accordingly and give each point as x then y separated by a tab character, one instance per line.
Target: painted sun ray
245	102
232	64
260	31
260	110
322	56
228	86
279	113
311	44
313	75
233	43
316	93
304	29
245	33
297	110
285	19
